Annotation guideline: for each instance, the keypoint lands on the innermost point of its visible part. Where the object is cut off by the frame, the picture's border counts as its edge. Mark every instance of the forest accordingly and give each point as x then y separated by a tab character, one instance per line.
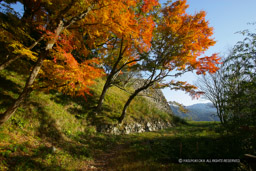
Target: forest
81	85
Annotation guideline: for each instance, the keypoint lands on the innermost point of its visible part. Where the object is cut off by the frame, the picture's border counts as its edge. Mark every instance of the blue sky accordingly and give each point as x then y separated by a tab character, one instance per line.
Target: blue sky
227	17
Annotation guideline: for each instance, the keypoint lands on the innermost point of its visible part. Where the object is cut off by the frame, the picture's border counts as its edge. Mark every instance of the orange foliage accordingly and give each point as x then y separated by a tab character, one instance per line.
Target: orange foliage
120	19
131	31
189	35
107	19
114	26
208	64
179	42
65	74
184	86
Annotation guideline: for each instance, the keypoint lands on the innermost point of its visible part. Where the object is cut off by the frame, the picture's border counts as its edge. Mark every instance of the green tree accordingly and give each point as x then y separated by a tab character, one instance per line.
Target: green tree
232	88
241	78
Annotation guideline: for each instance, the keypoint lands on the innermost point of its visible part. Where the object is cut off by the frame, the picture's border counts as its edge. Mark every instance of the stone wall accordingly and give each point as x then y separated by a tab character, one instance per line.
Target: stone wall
138	127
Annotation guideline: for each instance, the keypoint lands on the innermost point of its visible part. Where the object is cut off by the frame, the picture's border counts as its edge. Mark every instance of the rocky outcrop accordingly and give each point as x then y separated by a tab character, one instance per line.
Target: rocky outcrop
135	127
154	95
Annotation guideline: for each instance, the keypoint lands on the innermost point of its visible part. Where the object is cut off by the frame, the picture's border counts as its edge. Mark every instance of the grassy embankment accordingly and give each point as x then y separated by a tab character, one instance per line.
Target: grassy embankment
48	120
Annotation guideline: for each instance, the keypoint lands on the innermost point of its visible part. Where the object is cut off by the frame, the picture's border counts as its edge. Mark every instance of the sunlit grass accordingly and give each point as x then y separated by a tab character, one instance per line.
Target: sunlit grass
51	120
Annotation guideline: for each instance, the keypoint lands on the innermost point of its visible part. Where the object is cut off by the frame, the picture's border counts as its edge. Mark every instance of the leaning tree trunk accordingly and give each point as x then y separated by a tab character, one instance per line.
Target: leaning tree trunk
26	91
8	62
136	92
103	93
110	78
28	87
104	90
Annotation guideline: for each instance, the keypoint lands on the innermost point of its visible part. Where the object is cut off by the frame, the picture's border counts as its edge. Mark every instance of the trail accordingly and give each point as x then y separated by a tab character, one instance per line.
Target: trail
103	158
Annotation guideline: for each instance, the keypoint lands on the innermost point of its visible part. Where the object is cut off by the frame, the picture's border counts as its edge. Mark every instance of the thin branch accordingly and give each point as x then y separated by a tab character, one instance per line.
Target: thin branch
135	60
8	62
121	88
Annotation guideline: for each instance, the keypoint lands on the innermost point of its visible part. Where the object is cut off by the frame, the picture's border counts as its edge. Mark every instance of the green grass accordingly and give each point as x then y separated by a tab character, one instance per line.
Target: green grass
162	150
115	100
52	119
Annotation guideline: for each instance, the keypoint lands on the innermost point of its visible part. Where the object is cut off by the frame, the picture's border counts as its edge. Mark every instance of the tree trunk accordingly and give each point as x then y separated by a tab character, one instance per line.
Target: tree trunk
8	62
103	93
110	77
219	114
26	91
136	92
33	74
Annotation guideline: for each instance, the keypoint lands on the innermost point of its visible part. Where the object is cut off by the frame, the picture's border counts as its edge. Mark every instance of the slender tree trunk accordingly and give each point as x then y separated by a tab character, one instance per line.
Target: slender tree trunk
26	91
110	77
8	62
103	93
136	92
219	113
33	74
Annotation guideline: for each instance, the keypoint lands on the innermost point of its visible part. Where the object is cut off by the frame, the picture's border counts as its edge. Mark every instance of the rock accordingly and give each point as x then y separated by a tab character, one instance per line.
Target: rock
136	127
148	127
115	131
127	130
53	149
92	167
140	130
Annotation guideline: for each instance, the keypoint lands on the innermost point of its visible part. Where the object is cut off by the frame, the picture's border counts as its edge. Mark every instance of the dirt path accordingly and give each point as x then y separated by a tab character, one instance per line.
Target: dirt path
103	159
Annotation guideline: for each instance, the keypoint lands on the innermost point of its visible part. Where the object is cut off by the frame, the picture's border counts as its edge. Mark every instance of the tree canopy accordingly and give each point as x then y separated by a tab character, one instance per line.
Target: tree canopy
179	40
71	43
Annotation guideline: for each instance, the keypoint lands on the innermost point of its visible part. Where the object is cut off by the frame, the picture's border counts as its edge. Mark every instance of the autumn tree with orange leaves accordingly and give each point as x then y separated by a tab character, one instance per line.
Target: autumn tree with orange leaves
60	36
178	42
122	52
67	41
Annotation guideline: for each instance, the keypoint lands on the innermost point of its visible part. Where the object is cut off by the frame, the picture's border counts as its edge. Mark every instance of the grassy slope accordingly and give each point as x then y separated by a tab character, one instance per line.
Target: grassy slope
52	119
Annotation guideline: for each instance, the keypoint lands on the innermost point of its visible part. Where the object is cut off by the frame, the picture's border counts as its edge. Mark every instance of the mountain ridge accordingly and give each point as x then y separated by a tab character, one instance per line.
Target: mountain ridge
197	112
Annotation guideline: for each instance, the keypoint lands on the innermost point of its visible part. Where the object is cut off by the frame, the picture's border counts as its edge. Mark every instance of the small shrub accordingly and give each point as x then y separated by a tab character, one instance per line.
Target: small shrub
177	120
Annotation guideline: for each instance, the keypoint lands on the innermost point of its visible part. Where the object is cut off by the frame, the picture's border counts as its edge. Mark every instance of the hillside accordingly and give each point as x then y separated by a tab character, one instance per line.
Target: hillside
197	112
81	81
55	131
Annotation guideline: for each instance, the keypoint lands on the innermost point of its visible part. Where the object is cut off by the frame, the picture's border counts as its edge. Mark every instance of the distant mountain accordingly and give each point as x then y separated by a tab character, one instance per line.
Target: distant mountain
197	112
